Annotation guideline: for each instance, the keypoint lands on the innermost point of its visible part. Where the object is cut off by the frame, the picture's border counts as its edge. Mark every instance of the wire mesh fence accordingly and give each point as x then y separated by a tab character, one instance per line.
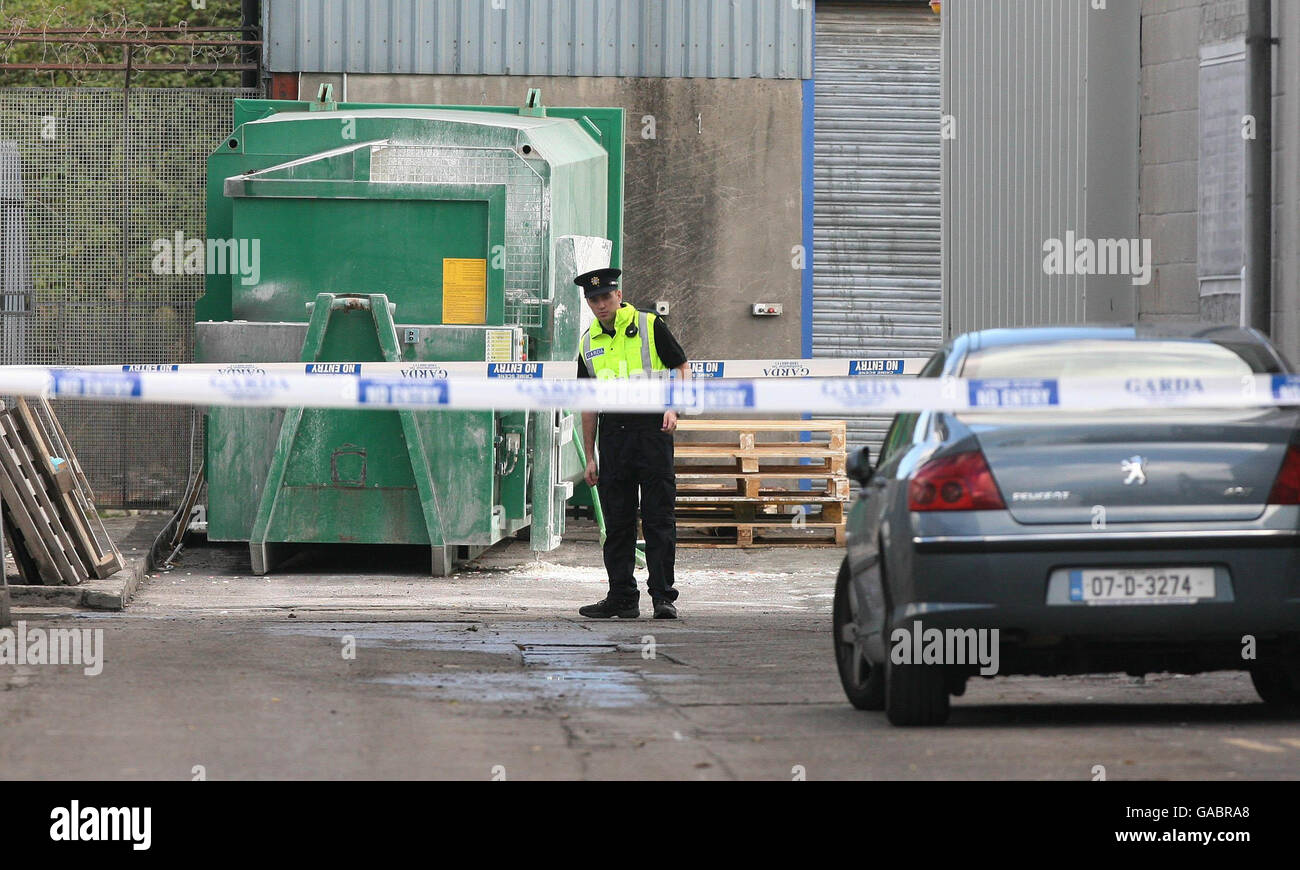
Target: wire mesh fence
90	179
526	218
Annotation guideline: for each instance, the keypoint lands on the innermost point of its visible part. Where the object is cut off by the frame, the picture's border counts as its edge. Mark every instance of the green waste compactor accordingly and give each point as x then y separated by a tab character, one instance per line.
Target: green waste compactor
402	234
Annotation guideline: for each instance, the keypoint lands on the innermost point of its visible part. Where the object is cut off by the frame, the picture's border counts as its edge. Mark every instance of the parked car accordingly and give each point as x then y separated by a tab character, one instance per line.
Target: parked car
1135	541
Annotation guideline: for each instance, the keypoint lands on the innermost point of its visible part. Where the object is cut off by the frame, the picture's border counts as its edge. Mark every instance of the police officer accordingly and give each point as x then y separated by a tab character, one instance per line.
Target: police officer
636	450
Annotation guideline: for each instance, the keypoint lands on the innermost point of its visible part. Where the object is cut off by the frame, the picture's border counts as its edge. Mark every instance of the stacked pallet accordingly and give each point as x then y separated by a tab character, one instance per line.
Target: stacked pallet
48	512
5	619
737	490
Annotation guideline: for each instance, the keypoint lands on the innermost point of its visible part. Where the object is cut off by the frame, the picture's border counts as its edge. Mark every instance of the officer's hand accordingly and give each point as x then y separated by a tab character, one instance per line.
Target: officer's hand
591	476
670	421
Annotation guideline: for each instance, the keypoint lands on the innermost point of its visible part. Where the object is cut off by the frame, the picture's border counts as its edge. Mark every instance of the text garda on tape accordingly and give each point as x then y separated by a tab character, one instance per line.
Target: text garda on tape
524	386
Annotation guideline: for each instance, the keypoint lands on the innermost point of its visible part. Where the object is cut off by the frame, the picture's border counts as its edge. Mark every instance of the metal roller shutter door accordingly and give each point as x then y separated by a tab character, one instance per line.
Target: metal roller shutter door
876	219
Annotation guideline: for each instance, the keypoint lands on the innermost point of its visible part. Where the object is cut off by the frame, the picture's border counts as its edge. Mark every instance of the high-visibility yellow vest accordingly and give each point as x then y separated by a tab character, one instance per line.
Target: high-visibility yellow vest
621	355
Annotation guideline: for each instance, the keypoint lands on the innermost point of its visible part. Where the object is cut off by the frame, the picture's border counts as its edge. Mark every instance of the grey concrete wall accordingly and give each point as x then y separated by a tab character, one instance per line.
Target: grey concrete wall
1222	20
1167	184
712	204
1172	33
1286	179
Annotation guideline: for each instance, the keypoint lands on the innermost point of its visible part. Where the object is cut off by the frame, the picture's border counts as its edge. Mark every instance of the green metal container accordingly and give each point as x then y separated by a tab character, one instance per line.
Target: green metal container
401	234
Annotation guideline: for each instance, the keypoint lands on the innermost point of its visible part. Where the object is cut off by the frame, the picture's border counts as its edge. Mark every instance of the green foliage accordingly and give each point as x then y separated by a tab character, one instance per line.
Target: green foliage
116	19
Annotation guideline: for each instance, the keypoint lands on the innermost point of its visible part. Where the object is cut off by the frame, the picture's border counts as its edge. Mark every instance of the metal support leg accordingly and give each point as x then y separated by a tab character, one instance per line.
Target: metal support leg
266	555
444	560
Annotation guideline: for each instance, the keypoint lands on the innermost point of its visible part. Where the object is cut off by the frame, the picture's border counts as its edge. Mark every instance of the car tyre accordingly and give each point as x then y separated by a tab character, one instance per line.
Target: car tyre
1279	686
916	694
863	682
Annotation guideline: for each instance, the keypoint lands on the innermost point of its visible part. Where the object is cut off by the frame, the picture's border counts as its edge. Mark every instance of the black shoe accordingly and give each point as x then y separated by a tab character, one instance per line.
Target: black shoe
606	608
665	610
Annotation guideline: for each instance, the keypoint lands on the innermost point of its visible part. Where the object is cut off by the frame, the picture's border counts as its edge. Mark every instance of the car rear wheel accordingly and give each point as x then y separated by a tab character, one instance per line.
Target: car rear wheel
916	694
1278	685
863	683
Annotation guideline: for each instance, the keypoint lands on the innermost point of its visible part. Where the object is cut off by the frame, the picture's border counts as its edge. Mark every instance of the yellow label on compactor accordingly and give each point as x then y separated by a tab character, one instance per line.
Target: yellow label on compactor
500	345
464	291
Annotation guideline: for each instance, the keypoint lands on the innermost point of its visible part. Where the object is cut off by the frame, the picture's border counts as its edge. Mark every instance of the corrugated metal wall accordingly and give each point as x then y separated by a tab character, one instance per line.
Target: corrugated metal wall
1043	99
876	214
654	38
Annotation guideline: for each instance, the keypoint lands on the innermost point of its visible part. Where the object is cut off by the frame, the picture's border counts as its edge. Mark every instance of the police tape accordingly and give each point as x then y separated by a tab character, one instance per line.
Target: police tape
856	395
709	368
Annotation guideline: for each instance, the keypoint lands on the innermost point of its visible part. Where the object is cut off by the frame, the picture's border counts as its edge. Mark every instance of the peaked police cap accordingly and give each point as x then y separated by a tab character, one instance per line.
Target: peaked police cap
598	281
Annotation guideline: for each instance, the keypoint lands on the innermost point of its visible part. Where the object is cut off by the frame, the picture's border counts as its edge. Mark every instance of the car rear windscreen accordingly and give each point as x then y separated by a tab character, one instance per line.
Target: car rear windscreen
1108	358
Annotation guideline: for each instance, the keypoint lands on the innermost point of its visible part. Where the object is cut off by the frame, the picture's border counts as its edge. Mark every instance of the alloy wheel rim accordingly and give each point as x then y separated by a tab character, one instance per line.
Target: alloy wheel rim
850	642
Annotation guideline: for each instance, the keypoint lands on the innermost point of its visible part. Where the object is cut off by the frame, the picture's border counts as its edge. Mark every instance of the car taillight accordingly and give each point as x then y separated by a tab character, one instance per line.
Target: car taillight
961	482
1286	489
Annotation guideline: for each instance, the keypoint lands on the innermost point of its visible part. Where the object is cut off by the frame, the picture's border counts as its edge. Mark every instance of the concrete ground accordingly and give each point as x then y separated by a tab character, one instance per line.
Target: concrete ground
492	674
133	534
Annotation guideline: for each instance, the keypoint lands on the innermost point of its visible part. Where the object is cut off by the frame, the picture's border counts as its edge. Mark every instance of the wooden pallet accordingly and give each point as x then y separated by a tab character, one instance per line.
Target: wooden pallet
712	533
4	582
49	518
693	478
738	492
33	519
76	502
744	454
788	506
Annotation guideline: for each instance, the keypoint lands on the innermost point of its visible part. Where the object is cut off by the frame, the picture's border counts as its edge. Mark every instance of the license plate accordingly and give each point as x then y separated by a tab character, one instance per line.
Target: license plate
1141	585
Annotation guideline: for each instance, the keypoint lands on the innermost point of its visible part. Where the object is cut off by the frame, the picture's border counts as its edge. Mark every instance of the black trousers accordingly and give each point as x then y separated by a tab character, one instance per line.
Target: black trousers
633	459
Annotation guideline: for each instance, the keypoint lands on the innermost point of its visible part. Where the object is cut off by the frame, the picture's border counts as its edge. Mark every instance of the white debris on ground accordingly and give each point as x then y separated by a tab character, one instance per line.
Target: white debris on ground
551	571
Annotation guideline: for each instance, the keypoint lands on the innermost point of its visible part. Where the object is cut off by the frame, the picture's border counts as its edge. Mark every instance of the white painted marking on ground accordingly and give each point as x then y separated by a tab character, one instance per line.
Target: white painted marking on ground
1253	744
